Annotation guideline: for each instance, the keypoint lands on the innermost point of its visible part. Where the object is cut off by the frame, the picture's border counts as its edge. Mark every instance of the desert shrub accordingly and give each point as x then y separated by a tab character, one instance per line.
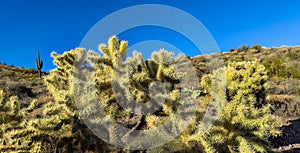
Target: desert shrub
274	66
243	48
2	83
10	74
292	71
199	59
293	54
257	48
231	50
236	58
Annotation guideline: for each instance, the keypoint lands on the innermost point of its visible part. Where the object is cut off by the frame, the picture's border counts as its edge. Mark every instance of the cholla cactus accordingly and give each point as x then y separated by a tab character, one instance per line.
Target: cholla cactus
16	135
137	93
244	123
61	122
136	82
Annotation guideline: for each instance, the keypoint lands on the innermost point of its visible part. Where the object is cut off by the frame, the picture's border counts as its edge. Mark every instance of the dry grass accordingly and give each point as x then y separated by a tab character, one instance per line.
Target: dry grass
274	98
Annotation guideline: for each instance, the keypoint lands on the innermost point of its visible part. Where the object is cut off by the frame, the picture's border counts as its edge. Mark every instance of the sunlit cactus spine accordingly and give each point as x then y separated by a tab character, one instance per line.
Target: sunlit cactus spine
39	64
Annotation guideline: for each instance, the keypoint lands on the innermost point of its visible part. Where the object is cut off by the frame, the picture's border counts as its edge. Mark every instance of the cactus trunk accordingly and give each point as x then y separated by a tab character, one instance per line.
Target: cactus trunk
40	73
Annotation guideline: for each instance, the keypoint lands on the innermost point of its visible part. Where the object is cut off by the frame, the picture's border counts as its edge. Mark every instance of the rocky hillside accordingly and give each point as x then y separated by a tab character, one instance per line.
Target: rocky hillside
24	83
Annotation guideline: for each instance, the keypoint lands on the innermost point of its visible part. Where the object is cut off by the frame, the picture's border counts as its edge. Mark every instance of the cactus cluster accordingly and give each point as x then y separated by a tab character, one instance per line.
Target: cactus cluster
61	121
128	91
93	90
141	94
16	134
244	122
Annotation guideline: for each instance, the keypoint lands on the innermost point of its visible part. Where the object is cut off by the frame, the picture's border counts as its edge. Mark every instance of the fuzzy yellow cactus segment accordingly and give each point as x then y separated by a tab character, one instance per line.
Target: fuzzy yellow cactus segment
33	105
1	98
14	105
59	82
115	50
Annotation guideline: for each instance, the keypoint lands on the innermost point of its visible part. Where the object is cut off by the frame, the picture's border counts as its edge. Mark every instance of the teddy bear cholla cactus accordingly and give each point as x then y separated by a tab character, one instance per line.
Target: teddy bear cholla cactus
244	122
128	88
111	79
15	133
61	122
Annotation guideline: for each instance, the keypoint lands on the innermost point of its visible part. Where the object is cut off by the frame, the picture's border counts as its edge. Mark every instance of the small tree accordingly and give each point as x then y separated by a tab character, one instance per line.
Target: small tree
275	66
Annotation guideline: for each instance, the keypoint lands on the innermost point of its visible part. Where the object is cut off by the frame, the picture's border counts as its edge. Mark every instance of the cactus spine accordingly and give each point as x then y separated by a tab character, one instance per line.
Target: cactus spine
39	64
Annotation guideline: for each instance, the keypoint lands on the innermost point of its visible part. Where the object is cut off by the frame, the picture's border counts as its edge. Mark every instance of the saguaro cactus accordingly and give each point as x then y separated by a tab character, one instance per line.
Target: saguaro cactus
39	64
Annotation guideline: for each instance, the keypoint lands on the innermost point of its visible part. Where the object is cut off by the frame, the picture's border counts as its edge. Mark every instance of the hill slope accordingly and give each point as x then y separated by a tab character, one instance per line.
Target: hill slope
24	83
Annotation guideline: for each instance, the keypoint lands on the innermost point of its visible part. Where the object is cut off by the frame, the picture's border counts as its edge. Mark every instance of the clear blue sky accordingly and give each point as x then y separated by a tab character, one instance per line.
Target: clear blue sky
58	25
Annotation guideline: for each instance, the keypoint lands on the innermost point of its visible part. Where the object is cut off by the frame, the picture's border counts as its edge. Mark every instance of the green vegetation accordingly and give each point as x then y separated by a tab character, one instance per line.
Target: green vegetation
276	67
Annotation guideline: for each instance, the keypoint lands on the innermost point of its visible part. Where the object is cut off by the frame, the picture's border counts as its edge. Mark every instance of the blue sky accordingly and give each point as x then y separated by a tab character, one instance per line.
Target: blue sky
58	25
